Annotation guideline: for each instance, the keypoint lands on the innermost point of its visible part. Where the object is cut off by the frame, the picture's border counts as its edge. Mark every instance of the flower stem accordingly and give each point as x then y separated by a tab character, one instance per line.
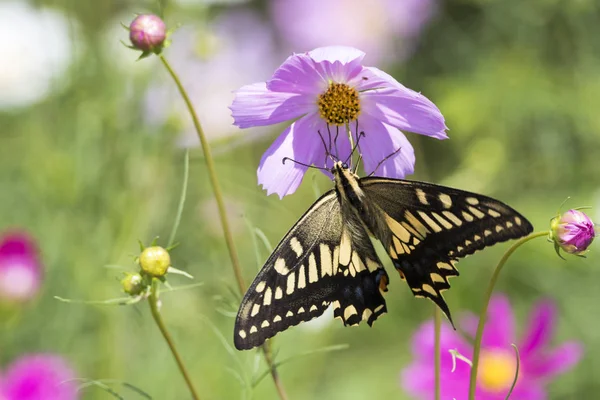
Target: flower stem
437	327
486	301
153	301
210	165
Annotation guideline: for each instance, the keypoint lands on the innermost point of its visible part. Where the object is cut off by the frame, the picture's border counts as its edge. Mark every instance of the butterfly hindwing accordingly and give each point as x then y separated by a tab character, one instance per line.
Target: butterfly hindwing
425	228
321	261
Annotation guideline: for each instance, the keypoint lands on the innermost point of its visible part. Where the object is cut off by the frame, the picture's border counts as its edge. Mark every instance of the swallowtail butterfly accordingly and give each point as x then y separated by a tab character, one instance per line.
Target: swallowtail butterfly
327	258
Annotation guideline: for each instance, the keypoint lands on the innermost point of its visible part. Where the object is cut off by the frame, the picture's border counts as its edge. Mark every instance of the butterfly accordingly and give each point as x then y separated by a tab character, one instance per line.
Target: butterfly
328	259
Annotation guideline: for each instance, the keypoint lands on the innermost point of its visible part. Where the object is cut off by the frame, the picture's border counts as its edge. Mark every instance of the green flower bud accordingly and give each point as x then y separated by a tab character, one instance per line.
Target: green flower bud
133	284
155	261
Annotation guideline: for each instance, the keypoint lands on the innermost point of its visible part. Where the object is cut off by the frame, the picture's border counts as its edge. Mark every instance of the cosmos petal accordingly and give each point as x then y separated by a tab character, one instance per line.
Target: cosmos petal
284	178
499	329
390	102
380	141
555	362
255	105
540	328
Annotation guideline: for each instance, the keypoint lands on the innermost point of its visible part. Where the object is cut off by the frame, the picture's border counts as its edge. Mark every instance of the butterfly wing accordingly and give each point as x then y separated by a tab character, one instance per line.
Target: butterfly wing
425	228
321	261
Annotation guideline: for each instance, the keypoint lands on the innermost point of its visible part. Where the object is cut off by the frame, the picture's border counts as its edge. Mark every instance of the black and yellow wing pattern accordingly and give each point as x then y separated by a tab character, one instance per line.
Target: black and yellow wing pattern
321	261
327	258
426	228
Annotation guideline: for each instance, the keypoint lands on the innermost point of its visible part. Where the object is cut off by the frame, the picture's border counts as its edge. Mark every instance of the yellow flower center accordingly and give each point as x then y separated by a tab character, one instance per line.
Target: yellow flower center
497	370
339	104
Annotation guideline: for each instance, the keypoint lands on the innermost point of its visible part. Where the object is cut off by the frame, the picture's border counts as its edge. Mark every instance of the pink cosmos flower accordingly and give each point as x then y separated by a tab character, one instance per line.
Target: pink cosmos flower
36	377
330	94
387	30
573	232
497	364
20	267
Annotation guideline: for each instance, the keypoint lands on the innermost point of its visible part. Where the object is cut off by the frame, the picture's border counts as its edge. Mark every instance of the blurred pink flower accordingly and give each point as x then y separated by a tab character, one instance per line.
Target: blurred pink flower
384	29
37	377
538	362
20	267
212	61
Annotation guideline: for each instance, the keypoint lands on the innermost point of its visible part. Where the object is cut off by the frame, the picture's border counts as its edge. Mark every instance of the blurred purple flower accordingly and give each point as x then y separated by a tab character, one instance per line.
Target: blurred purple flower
385	29
573	232
211	61
497	364
36	377
20	267
329	90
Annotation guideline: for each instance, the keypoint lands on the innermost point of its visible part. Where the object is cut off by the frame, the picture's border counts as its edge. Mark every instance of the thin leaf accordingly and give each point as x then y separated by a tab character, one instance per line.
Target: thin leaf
173	270
127	300
254	241
327	349
186	174
264	239
102	386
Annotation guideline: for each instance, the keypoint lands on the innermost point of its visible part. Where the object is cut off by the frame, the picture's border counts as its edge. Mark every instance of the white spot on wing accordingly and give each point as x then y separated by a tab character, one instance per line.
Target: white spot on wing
261	286
446	200
291	284
422	196
313	274
301	278
296	246
267	297
430	222
326	262
280	266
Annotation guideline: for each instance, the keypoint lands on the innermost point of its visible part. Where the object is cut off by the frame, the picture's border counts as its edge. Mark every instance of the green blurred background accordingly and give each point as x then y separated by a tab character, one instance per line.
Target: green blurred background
91	161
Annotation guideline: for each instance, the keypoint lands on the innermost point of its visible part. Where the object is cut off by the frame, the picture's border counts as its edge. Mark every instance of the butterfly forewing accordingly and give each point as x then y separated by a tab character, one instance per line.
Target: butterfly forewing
427	227
322	261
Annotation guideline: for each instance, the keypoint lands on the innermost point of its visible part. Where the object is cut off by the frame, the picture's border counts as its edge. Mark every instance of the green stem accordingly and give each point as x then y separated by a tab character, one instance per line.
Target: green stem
437	328
210	165
212	173
186	174
153	301
486	301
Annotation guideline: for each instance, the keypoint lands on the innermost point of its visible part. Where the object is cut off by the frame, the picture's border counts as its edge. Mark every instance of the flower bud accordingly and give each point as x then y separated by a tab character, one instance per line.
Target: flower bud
20	267
155	261
133	284
147	32
573	232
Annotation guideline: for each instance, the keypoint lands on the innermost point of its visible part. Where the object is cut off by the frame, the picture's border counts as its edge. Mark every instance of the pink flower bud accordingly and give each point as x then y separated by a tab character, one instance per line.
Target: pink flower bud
20	267
573	232
147	32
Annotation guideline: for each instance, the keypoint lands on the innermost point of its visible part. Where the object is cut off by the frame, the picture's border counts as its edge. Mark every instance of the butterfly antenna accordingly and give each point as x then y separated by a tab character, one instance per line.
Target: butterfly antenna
284	159
385	159
327	152
361	134
337	133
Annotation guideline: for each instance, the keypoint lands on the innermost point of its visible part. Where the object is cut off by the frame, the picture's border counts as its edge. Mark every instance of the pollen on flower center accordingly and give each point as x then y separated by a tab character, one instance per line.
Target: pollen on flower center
497	370
339	104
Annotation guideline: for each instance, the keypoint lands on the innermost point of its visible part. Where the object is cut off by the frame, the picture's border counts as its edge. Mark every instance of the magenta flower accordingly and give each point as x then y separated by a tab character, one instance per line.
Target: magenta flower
573	232
329	94
497	364
38	376
20	267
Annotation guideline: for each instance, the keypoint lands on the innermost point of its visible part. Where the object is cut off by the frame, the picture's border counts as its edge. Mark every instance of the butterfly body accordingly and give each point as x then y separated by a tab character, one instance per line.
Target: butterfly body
328	259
